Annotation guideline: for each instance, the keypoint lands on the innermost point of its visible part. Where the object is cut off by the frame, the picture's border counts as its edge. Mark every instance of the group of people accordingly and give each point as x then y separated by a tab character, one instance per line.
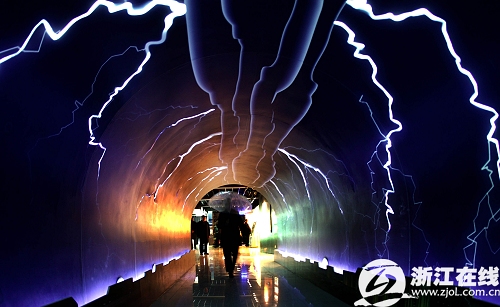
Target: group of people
200	231
230	232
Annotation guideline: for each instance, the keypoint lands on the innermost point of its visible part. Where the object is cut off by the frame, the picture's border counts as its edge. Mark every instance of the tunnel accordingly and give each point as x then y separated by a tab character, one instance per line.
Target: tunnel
113	133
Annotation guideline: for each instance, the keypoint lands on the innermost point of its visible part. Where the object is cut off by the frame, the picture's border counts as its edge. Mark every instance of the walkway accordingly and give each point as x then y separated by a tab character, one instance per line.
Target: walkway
258	281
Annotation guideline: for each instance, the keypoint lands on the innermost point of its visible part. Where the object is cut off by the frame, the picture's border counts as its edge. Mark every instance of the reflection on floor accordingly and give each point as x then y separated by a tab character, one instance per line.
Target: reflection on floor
258	281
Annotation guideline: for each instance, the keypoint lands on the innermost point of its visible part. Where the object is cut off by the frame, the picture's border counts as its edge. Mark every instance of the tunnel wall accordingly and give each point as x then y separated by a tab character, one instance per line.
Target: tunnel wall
141	198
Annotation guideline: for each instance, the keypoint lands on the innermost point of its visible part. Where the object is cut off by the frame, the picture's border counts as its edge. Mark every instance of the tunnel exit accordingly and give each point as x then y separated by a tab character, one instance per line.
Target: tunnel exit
259	215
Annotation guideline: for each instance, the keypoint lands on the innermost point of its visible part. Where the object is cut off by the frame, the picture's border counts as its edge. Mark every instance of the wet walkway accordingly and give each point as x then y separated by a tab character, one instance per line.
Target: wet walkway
258	281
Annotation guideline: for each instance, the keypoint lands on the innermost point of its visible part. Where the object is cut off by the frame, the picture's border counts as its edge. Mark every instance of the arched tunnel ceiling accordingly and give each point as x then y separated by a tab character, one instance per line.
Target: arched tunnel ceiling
355	171
221	117
176	149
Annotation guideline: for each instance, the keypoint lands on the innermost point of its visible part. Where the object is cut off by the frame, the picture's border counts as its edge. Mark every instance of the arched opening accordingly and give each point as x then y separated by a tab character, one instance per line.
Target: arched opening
260	217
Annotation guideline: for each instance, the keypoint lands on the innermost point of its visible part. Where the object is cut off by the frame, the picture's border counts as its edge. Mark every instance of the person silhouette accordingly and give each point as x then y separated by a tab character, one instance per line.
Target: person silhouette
194	237
203	233
230	228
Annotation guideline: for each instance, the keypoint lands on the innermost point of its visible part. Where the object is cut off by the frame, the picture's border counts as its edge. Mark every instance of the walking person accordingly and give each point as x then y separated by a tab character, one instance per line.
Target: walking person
203	234
194	237
230	226
245	233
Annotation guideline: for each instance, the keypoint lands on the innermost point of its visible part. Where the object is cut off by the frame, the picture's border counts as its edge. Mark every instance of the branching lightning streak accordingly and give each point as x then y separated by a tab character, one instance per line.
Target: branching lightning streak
178	9
209	177
294	158
495	216
306	185
375	154
362	5
387	138
170	126
372	173
278	190
181	157
79	104
25	50
217	170
311	151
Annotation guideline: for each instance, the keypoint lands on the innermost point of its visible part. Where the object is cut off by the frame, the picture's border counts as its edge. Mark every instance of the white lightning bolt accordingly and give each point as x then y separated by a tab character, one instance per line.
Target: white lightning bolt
386	138
181	157
362	5
170	126
178	9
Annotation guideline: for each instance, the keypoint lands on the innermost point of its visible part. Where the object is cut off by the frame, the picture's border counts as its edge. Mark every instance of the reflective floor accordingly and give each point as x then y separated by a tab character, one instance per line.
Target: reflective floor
258	281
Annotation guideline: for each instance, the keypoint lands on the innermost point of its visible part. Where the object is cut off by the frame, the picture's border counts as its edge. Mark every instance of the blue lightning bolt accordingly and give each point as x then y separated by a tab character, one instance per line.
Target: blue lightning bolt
297	161
277	189
178	9
213	172
362	5
386	138
391	168
307	165
170	126
181	158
